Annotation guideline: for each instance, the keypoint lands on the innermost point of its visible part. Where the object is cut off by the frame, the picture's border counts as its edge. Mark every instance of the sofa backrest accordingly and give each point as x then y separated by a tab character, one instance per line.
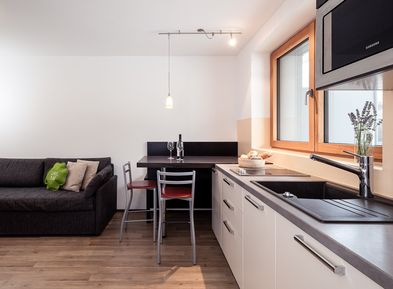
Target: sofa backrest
21	172
31	172
49	162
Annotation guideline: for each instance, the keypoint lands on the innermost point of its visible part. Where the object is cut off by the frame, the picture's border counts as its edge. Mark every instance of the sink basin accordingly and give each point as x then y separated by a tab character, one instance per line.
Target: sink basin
330	203
310	190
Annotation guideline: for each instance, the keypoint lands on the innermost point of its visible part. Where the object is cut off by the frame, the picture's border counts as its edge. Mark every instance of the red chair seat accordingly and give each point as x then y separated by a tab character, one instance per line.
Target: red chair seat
149	185
172	192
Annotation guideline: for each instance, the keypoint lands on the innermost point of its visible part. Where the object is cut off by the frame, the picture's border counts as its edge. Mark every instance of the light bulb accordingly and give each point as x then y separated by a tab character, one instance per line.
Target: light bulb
232	41
169	102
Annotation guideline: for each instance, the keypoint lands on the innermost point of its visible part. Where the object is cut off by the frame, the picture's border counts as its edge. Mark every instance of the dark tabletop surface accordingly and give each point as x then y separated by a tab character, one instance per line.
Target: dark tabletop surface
188	162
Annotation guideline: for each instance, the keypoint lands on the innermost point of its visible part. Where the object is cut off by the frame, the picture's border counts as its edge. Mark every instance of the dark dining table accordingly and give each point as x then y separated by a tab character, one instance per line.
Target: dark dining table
199	156
189	162
201	164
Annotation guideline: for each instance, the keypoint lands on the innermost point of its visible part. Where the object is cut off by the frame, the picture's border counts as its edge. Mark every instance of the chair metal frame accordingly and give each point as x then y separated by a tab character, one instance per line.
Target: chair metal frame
128	180
161	183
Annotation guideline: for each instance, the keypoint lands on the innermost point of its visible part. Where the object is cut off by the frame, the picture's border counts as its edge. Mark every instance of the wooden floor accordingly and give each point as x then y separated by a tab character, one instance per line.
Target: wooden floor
103	262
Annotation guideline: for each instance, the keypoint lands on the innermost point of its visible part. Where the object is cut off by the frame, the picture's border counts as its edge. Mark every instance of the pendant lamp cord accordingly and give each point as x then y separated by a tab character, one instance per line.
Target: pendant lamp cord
169	65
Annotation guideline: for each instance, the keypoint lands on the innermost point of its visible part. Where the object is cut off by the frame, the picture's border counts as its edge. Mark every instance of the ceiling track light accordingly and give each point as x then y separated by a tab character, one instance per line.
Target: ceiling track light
209	34
232	41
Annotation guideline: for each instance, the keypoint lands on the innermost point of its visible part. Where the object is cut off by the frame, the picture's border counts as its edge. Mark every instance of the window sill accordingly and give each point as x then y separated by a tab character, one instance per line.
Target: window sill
349	161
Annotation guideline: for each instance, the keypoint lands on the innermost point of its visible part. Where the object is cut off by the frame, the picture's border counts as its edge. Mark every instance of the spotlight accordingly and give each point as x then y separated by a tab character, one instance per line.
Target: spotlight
232	41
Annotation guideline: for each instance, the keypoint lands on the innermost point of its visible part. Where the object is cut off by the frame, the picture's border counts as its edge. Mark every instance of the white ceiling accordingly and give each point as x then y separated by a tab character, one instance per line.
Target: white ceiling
128	27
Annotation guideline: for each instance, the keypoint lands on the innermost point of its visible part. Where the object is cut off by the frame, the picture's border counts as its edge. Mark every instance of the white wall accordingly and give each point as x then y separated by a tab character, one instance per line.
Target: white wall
110	106
253	71
253	61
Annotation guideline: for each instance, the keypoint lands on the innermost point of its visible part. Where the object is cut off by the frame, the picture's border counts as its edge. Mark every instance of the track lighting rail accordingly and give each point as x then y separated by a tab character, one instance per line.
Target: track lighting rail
201	32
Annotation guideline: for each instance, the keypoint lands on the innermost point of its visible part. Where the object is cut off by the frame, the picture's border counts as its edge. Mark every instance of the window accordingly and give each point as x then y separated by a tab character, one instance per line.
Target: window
292	68
293	83
337	105
310	121
334	132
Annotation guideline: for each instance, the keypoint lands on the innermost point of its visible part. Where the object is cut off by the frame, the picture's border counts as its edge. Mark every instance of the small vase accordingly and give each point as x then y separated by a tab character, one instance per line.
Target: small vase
363	142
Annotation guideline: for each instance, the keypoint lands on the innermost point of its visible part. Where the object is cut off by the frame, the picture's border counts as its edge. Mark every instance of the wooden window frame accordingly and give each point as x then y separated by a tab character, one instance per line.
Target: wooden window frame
332	148
307	33
316	104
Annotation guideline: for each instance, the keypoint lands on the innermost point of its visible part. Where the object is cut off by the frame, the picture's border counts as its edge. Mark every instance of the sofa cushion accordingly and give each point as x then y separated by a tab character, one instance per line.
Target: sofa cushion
21	172
40	199
100	178
56	177
91	171
76	173
49	162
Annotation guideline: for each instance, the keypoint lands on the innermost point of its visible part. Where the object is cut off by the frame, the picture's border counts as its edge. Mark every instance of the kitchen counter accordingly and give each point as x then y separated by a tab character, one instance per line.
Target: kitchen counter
367	247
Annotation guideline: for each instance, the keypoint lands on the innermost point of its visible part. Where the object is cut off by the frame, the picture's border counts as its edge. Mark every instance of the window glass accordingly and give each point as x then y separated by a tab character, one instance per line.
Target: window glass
292	85
338	126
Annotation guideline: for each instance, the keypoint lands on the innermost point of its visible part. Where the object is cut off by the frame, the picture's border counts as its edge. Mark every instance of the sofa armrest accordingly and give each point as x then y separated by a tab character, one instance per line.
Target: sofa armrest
105	203
99	179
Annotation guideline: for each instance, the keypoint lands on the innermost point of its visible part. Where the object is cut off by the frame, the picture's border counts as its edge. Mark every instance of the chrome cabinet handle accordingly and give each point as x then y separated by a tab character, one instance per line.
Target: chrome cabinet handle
228	205
336	269
252	202
228	227
228	182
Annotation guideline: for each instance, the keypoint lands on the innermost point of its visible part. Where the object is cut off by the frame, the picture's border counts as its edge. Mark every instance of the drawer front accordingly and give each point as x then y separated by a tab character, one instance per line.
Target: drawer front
232	192
232	248
231	198
302	262
232	212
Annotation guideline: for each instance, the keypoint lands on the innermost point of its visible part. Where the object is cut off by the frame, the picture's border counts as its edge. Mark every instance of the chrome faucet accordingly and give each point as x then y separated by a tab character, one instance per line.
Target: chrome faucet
364	171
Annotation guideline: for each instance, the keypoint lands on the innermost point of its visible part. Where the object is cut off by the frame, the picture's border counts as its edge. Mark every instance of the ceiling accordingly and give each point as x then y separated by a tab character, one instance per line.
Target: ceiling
127	27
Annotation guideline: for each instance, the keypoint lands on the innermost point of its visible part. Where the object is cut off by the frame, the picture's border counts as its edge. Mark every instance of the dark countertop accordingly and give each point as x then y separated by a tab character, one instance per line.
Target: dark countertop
367	247
197	162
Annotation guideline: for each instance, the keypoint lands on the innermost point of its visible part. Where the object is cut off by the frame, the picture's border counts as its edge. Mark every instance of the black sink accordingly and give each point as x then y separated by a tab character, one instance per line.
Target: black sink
310	190
331	203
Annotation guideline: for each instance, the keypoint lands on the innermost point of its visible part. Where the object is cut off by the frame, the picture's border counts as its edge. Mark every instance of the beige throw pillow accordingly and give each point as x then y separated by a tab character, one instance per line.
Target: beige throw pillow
91	171
76	173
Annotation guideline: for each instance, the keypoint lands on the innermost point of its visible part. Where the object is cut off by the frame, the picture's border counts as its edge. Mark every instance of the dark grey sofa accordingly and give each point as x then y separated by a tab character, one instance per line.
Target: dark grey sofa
27	208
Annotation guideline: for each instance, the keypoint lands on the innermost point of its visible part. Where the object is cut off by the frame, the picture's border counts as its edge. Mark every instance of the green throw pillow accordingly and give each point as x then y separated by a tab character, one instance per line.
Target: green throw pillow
56	176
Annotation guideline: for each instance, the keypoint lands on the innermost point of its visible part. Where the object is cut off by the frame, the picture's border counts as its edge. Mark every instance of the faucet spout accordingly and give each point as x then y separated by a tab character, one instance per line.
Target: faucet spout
339	165
364	171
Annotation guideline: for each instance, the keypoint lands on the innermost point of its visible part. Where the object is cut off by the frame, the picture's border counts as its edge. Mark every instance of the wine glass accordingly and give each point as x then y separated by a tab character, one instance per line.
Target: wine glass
170	146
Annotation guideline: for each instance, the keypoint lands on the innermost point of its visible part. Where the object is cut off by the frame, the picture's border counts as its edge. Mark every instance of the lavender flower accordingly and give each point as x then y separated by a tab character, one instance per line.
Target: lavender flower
364	124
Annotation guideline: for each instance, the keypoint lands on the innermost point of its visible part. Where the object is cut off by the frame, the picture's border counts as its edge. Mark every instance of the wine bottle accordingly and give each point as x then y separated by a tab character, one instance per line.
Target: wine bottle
180	148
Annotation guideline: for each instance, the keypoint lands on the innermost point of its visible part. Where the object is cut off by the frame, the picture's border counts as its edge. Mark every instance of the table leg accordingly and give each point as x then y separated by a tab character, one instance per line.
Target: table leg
163	210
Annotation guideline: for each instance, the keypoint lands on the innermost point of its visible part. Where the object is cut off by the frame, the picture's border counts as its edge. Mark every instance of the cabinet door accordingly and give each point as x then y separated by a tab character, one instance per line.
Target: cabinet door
304	263
216	205
258	244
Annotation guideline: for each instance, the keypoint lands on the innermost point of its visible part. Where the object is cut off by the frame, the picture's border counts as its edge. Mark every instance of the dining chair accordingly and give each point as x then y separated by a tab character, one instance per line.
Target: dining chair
129	186
179	186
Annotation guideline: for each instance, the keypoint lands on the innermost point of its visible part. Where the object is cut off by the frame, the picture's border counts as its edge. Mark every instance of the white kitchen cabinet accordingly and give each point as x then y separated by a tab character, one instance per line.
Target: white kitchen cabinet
216	205
232	231
258	244
266	251
304	263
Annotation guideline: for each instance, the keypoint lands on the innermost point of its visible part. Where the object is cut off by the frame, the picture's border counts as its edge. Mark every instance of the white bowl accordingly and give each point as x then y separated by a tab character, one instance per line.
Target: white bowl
247	163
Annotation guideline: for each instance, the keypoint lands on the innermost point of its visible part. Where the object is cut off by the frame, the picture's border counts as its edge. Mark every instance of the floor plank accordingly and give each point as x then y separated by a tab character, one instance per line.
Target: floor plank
104	262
